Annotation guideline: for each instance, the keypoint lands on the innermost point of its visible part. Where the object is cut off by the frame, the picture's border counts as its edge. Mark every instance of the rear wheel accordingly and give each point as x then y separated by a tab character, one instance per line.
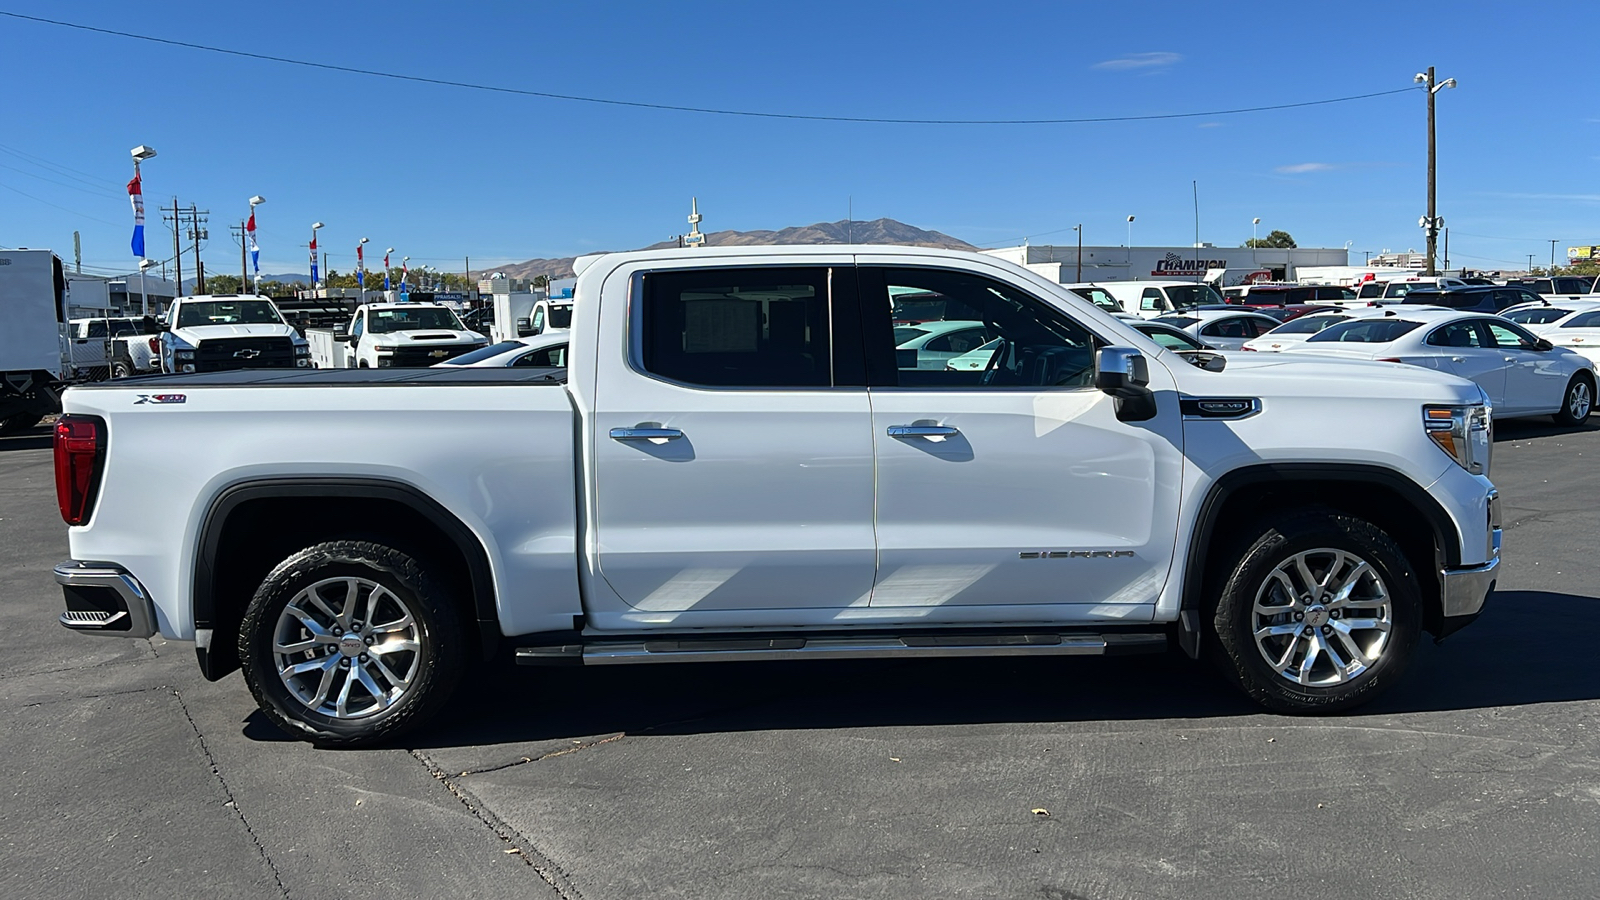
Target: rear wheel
1578	402
349	643
1319	614
121	369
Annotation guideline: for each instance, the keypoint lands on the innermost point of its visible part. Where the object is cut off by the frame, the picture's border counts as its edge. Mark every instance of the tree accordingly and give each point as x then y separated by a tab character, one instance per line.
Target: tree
221	283
1274	239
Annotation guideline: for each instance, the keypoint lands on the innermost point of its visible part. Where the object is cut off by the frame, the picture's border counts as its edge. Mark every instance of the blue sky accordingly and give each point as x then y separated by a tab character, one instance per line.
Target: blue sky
440	172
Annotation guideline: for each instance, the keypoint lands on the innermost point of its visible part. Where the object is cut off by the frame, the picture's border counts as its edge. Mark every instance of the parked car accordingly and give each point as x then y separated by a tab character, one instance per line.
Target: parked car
1559	286
547	350
1522	374
929	345
1393	290
1174	339
1474	298
1577	328
739	466
1289	294
1546	313
1298	330
1224	329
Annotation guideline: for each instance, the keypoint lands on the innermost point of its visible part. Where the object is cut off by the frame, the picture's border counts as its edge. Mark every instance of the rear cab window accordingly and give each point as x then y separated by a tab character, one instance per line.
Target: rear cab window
748	328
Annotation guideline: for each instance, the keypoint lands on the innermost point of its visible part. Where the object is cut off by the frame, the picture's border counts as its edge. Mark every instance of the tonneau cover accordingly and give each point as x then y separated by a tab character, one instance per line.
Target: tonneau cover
448	375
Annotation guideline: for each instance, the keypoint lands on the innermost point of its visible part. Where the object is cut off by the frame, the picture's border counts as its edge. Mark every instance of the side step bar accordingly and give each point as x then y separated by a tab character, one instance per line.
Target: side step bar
736	649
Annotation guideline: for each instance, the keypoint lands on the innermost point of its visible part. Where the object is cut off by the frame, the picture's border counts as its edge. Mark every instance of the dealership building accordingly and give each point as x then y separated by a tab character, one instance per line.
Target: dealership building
1061	263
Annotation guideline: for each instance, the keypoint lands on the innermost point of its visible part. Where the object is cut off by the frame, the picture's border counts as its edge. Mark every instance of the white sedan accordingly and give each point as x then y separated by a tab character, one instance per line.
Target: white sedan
1297	331
930	345
1224	329
546	350
1523	374
1574	324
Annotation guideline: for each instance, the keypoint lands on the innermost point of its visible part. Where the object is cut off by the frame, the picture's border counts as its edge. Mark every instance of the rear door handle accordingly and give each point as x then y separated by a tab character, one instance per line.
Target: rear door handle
931	432
653	435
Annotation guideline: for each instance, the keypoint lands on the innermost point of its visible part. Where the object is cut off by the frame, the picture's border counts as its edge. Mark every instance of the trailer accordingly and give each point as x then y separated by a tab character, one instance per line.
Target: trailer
35	357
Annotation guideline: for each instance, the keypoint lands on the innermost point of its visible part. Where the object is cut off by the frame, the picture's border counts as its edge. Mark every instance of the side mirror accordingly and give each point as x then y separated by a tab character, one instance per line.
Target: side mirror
344	338
1124	373
1542	344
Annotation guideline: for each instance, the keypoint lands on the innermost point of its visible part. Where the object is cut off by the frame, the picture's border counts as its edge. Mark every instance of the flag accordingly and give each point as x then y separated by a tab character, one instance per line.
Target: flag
313	259
136	197
386	271
405	272
361	269
255	250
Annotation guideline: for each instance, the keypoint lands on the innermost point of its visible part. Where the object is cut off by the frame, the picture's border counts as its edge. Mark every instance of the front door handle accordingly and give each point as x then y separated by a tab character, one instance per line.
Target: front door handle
653	435
931	432
1460	359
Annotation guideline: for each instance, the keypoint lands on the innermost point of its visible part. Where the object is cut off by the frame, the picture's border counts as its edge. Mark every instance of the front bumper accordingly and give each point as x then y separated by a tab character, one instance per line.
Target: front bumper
1464	591
102	598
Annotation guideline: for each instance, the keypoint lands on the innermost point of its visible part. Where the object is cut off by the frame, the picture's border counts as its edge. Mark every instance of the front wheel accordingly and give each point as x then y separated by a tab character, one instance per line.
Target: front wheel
1578	402
349	643
1320	613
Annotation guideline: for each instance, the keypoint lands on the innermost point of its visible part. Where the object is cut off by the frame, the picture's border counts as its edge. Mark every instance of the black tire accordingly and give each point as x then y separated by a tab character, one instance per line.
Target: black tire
434	667
121	369
19	422
1578	402
1320	534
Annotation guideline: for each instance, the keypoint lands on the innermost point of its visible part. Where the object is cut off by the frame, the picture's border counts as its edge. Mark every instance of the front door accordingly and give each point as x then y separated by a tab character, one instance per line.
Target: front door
1467	351
1013	484
733	458
1534	381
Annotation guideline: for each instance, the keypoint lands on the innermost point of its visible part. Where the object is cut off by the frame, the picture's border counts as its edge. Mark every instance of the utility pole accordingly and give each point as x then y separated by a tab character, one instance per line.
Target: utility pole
77	253
238	231
197	232
1079	230
1431	221
1530	263
177	252
1552	271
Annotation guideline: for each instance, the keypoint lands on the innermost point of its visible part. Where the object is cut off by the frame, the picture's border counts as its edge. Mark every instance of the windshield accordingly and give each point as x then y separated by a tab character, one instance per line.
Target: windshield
1177	321
1402	288
1364	331
1099	298
1370	289
560	317
194	313
1308	324
1183	295
413	318
1538	315
483	353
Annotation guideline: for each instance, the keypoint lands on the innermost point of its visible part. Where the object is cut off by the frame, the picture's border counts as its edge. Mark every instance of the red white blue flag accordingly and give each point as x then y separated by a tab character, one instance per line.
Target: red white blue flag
255	250
136	196
313	259
386	271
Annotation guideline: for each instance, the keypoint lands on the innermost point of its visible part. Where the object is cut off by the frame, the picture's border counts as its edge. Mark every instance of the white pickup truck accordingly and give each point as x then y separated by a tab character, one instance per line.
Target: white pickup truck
216	332
393	335
738	464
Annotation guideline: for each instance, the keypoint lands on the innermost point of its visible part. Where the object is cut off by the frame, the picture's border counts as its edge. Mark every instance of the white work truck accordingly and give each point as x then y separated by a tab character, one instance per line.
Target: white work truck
393	335
738	463
217	332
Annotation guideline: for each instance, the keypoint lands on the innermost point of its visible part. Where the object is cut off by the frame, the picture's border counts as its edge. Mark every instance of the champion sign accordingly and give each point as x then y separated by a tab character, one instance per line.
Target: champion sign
1173	264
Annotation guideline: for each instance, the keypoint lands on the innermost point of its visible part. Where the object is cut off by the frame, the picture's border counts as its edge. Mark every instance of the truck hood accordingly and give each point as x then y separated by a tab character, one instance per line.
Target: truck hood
1313	375
430	337
203	332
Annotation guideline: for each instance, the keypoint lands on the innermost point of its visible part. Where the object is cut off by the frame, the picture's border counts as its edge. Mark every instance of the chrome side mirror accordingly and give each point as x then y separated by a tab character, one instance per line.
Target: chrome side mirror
1124	373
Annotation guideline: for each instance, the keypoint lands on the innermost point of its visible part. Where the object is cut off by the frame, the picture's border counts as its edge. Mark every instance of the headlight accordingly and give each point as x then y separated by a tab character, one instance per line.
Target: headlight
1463	432
302	349
383	349
183	354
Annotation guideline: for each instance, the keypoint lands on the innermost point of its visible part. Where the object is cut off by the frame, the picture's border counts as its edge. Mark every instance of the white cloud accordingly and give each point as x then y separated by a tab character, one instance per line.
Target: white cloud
1302	168
1152	60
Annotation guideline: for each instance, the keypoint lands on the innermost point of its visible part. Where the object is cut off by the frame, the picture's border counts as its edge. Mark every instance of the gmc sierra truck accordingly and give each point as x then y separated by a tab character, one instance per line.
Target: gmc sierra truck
738	463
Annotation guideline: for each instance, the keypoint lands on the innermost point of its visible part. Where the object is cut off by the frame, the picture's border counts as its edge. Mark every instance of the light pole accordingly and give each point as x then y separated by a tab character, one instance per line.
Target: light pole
247	240
144	296
1552	271
136	197
1255	242
1130	232
1079	230
361	270
1431	221
314	227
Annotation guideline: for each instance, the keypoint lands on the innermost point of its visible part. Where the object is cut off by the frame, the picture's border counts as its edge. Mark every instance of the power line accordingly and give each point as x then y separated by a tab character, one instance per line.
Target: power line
62	208
93	181
691	109
101	192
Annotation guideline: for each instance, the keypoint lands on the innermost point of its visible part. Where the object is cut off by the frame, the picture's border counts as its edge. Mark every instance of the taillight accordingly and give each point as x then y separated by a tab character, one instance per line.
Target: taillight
155	345
1248	349
80	455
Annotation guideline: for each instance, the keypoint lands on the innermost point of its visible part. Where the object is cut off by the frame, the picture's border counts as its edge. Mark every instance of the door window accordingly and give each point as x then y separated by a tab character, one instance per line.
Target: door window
1150	300
1510	336
1456	334
546	357
97	329
1025	342
750	328
358	326
1236	327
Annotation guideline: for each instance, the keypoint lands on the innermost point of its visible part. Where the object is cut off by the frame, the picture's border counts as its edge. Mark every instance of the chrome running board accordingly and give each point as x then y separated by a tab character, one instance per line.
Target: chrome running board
834	646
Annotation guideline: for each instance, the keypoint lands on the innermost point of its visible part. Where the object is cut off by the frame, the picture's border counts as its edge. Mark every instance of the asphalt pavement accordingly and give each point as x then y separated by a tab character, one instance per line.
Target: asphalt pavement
126	774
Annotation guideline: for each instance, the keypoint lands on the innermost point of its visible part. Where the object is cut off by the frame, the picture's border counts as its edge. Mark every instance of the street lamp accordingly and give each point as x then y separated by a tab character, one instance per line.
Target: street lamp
1130	232
1079	230
1255	243
247	238
386	267
144	296
1552	272
314	227
1432	222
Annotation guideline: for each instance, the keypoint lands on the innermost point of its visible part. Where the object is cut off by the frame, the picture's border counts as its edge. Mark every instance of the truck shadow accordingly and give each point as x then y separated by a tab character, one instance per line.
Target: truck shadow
36	438
1529	647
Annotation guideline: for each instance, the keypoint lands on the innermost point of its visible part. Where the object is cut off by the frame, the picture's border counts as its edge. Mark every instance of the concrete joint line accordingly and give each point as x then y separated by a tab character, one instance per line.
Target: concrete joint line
519	844
232	803
552	754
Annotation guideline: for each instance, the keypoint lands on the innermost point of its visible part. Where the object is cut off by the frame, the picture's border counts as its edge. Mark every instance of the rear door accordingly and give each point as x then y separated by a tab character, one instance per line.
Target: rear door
1013	484
732	451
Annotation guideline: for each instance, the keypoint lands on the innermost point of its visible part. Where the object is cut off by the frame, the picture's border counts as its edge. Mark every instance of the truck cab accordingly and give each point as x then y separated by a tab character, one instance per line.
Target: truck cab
214	332
1149	299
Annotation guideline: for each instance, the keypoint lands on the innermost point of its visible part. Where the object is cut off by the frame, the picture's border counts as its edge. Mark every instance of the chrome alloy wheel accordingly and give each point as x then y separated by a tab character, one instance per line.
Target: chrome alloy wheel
1579	400
1322	617
347	647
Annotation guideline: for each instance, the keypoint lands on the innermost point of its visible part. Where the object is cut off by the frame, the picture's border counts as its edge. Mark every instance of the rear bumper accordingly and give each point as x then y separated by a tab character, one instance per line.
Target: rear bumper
102	598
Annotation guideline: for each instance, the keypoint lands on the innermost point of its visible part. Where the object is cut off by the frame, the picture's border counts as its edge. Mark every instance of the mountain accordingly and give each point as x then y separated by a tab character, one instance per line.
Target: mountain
878	231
